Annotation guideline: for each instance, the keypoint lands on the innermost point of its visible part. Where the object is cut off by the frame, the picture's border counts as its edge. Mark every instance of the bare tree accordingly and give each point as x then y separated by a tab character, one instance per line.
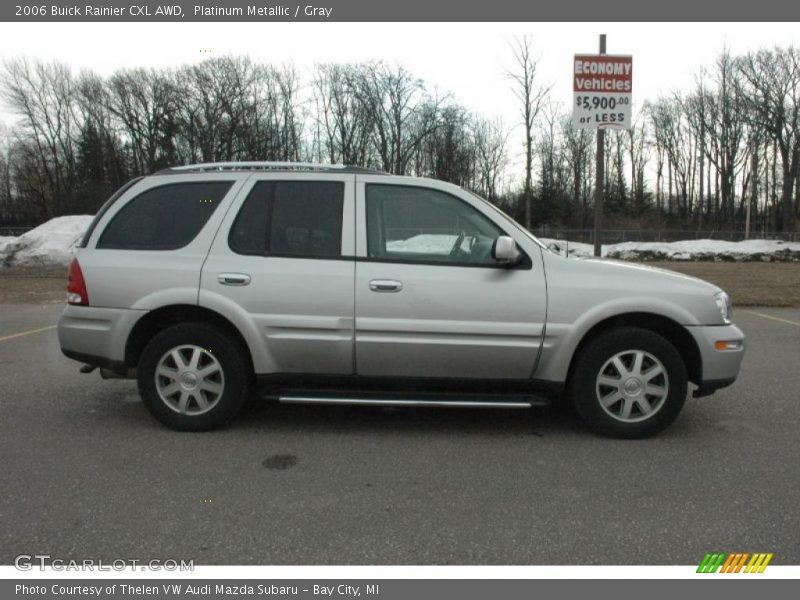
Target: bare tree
532	96
578	154
42	94
551	197
213	106
404	115
286	111
770	87
344	112
271	126
100	154
674	137
7	212
448	151
638	158
491	155
718	116
144	102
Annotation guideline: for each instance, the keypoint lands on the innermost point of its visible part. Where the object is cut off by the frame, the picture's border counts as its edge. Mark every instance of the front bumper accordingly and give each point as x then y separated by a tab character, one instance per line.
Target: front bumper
719	367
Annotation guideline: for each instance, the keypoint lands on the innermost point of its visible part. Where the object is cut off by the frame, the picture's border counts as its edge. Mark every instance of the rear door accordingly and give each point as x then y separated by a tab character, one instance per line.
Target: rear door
430	301
282	269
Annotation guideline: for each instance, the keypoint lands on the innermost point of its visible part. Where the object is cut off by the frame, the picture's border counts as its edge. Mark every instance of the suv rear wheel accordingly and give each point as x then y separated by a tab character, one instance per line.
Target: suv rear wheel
628	383
194	377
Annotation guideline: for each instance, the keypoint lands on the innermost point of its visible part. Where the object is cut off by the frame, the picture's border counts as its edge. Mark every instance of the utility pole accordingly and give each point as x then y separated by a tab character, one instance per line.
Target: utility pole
600	167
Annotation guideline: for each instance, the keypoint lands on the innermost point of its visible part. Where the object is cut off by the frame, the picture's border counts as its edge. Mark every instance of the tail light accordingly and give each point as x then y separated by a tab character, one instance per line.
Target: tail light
76	286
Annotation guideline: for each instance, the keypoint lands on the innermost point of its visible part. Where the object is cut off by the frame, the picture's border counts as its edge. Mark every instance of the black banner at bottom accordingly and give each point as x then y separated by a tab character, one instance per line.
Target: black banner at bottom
395	589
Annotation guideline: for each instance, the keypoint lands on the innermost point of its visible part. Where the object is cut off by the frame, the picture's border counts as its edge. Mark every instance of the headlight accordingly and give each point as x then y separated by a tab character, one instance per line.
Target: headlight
724	305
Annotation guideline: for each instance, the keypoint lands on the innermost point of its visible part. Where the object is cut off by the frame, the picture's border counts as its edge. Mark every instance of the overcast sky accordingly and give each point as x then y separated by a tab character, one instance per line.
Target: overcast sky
468	60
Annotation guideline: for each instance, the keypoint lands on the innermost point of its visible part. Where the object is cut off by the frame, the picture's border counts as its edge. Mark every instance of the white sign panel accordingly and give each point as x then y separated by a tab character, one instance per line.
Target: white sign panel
602	86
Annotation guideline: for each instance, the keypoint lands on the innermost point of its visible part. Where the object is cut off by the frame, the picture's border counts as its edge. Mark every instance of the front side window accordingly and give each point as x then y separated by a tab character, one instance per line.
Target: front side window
166	217
290	218
414	224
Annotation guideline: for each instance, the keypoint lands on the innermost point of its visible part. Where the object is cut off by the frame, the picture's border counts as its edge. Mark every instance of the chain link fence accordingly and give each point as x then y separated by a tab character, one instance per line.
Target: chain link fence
616	236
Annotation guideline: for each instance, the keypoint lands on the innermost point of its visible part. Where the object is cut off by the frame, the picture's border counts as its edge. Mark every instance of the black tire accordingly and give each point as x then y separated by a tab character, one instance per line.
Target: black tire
585	394
236	373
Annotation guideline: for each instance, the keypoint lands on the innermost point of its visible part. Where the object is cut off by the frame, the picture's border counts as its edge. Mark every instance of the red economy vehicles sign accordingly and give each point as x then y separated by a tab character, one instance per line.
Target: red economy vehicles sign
602	87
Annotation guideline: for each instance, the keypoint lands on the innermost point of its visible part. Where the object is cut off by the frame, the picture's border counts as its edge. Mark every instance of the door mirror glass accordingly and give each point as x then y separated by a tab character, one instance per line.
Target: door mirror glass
505	251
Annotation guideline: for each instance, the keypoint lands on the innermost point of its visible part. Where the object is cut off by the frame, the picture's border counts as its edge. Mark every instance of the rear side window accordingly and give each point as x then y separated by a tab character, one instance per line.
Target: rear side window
290	218
165	217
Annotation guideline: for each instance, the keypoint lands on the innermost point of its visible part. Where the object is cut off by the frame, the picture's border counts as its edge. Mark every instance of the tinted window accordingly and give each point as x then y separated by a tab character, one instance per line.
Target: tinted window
420	224
164	217
104	209
290	218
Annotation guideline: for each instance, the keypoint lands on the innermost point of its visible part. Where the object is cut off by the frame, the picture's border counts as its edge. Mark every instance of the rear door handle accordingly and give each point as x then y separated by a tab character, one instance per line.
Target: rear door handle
233	278
385	285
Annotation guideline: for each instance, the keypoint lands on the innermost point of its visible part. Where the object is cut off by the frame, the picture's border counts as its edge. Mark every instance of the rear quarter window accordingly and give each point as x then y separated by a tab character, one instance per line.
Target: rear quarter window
104	209
166	217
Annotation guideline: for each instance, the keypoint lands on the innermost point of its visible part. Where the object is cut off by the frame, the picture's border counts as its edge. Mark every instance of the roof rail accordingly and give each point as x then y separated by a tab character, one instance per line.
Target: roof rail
265	166
257	165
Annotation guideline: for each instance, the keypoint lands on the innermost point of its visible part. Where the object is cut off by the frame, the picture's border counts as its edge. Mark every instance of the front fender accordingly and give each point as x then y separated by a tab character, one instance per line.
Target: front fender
562	338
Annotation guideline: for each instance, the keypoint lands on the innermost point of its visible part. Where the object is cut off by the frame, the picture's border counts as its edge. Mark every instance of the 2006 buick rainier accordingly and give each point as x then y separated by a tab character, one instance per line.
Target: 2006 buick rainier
328	284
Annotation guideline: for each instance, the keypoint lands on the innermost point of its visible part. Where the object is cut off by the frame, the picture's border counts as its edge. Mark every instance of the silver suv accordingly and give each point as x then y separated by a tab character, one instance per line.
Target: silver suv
327	284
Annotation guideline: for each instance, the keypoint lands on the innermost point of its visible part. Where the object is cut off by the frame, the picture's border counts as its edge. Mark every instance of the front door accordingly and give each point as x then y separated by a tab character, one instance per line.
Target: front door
430	300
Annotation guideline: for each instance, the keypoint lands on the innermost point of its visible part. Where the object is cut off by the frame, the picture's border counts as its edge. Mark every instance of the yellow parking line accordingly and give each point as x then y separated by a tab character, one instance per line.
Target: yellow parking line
773	318
22	333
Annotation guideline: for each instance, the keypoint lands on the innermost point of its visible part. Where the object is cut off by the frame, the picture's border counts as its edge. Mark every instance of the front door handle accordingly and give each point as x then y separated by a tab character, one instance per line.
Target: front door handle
233	278
385	285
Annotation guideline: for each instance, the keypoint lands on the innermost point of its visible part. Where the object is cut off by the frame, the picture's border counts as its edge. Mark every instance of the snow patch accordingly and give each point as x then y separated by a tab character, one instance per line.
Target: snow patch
424	243
689	250
50	244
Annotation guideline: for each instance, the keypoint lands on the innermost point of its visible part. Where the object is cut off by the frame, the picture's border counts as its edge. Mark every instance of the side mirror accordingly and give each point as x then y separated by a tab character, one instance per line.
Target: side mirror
505	251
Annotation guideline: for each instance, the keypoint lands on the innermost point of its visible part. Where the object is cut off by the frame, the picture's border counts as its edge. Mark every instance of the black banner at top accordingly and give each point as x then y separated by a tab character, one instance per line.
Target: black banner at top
401	10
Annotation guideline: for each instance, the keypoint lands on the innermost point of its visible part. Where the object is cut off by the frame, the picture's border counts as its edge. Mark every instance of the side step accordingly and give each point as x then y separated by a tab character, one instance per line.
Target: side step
414	402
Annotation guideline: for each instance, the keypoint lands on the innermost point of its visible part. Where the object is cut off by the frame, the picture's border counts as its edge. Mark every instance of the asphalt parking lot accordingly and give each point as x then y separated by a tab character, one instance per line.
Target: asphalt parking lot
87	473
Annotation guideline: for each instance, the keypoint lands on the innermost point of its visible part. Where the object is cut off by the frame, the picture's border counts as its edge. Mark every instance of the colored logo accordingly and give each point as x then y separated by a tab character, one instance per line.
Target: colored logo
736	562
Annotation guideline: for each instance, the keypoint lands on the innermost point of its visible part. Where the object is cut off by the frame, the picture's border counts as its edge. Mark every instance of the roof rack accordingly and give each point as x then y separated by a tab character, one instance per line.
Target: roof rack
264	166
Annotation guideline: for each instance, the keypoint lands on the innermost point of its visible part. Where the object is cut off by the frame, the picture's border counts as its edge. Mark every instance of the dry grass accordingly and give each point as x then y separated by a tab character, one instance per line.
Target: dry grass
748	283
32	285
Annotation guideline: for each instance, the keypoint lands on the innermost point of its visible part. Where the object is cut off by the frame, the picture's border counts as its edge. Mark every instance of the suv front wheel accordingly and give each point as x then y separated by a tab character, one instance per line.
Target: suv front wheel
628	383
194	377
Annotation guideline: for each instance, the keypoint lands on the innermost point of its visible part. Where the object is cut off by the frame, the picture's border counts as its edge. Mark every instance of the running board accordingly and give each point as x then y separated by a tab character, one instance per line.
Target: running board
436	403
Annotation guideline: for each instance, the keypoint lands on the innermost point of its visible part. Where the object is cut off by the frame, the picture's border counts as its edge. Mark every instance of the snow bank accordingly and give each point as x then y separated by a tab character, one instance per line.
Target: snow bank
690	250
6	244
49	244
